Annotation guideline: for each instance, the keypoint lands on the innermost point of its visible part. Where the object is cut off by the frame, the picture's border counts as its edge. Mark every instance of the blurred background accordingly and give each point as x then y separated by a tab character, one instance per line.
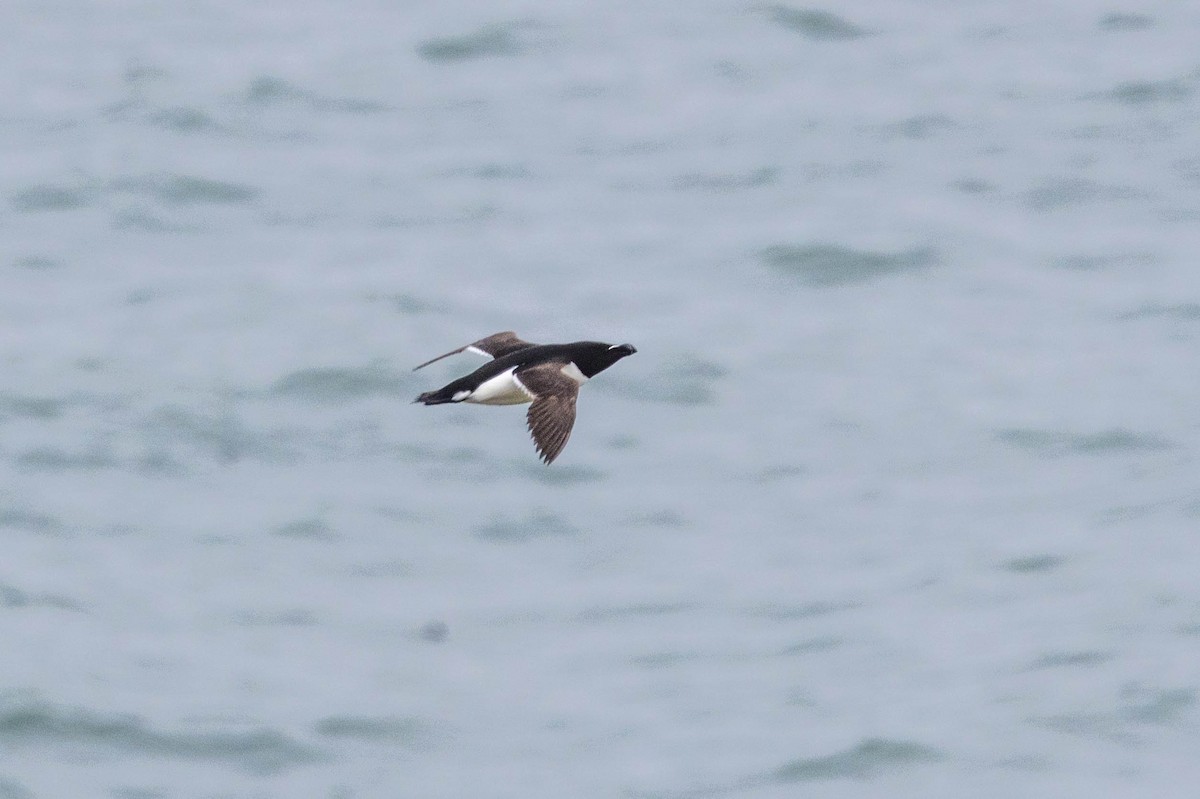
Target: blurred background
898	497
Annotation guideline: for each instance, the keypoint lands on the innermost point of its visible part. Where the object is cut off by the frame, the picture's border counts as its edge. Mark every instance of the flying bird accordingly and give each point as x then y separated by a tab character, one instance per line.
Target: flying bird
547	375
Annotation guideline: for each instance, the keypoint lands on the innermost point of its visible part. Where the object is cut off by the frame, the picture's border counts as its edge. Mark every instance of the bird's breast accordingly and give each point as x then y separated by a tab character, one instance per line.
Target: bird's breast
572	371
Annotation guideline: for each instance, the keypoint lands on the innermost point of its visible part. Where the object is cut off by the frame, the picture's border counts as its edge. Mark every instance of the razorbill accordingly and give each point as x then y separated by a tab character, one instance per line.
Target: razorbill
547	375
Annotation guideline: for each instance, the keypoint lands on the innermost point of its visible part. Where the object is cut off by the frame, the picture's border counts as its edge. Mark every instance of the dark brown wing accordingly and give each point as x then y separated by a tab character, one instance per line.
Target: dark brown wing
495	345
552	414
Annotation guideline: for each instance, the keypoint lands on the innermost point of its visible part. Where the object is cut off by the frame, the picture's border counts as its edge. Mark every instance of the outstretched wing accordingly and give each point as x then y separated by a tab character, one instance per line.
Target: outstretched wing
552	414
496	345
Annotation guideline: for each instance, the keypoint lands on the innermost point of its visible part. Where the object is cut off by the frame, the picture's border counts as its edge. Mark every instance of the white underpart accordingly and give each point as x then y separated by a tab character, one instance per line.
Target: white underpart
503	389
572	371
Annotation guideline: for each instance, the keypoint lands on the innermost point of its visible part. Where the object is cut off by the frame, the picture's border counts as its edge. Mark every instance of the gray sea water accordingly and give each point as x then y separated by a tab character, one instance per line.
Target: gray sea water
899	497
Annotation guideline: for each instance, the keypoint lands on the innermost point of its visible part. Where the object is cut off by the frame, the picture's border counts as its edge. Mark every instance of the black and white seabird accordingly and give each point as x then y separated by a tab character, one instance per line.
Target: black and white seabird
548	375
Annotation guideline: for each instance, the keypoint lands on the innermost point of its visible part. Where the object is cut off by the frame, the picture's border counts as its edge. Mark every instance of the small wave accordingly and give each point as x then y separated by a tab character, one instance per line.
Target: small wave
814	24
187	190
1064	192
1053	444
1187	312
1137	706
56	459
183	119
412	732
822	643
565	474
920	127
259	751
1146	92
32	521
1034	564
781	612
724	183
312	529
37	262
31	407
634	611
539	524
1054	660
871	757
1156	705
12	597
269	91
1126	22
490	42
174	434
49	197
825	265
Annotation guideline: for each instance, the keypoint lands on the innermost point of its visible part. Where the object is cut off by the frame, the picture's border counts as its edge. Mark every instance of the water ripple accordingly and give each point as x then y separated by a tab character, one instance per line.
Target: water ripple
824	265
1062	192
489	42
37	262
1186	312
814	24
539	524
1049	443
29	520
269	91
221	436
869	758
1126	22
722	183
185	120
187	190
1137	706
410	732
637	610
12	597
57	459
1054	660
312	529
48	197
31	407
1146	92
263	751
1034	564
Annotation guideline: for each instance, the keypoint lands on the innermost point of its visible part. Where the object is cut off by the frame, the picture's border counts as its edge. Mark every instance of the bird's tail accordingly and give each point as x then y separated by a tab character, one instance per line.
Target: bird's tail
438	397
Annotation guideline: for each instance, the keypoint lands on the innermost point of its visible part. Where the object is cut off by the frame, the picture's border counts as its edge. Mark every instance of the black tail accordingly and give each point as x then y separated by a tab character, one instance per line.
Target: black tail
434	398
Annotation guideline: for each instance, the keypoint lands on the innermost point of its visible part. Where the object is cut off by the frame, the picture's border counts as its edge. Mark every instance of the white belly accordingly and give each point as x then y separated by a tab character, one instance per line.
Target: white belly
502	389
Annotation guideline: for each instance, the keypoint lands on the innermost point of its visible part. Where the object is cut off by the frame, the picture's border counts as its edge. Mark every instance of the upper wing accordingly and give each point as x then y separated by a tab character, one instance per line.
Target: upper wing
495	345
552	414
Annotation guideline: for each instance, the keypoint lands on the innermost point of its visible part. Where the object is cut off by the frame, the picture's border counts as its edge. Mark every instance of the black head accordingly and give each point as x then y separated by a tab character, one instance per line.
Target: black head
593	357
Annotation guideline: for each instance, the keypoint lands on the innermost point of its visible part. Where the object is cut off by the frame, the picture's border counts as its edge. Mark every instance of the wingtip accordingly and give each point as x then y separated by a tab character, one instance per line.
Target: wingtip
438	358
547	457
